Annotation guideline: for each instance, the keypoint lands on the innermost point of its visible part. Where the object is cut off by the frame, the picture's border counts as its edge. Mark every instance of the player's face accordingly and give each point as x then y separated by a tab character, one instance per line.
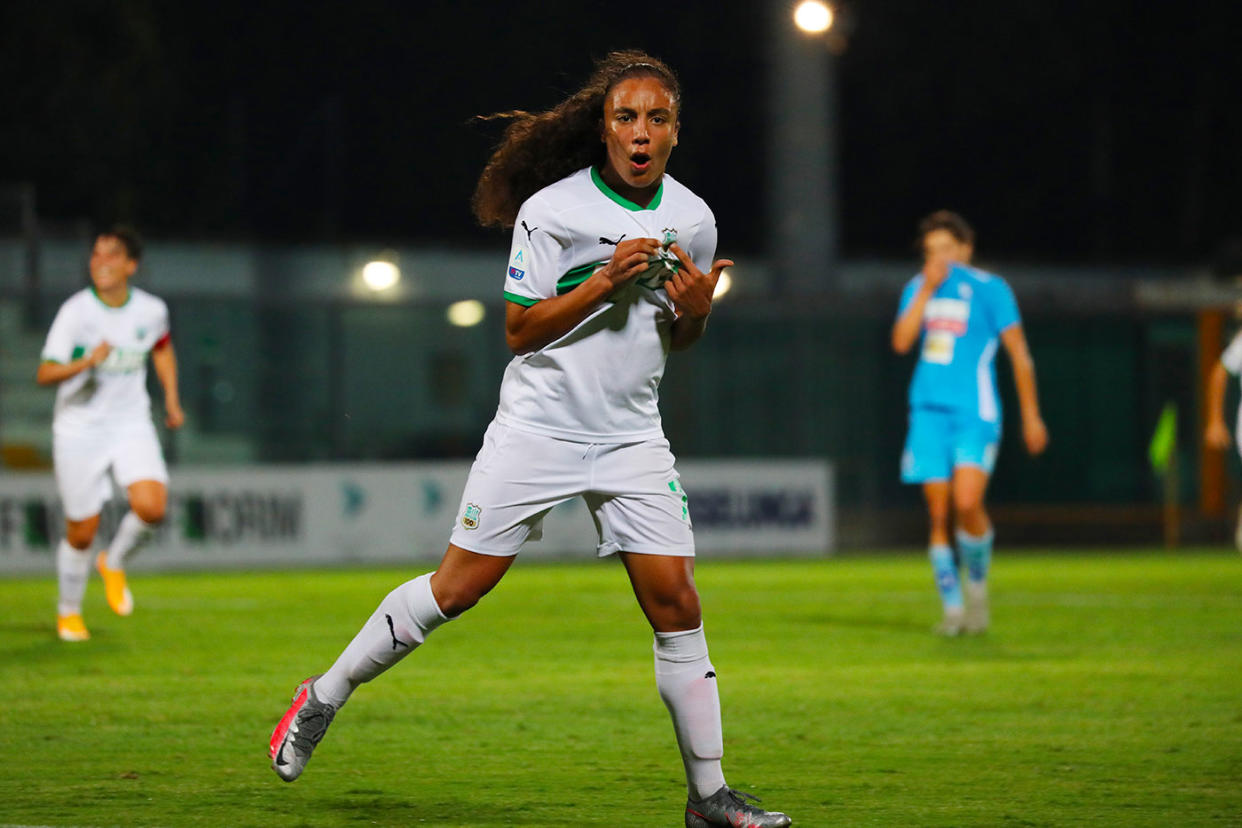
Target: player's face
111	265
941	246
640	131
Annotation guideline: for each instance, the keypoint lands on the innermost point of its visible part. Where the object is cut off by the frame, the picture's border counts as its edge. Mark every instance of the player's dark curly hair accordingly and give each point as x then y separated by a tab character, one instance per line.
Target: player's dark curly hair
539	148
957	226
127	236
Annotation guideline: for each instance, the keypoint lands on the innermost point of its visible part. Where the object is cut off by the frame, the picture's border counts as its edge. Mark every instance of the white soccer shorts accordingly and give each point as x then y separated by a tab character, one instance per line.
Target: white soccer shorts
83	458
632	490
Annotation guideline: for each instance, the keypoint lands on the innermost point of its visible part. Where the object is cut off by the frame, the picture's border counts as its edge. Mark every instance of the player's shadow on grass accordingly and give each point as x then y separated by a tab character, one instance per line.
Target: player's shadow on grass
30	628
36	643
365	804
869	622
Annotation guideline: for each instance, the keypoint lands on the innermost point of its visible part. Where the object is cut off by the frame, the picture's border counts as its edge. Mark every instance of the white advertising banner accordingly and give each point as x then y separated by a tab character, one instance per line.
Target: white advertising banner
392	513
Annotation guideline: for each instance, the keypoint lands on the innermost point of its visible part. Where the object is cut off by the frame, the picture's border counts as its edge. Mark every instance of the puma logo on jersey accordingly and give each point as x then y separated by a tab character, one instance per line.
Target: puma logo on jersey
606	240
393	632
528	230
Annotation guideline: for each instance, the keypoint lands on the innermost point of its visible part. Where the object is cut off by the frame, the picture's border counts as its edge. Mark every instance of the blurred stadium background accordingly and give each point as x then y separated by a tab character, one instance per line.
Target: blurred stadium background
1097	161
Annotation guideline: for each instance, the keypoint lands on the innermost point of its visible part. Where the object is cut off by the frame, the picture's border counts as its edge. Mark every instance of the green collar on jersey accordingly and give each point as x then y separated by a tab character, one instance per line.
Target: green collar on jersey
129	294
622	200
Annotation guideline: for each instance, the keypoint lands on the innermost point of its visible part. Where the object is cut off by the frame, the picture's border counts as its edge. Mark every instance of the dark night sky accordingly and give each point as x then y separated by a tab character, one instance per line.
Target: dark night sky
1112	134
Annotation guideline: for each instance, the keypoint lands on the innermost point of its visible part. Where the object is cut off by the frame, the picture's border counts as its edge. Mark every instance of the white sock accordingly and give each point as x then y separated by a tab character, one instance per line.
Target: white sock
403	621
687	683
131	535
72	568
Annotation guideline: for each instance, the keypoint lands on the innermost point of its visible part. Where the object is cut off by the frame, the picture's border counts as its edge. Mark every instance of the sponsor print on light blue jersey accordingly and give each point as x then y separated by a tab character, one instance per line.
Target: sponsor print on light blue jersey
962	324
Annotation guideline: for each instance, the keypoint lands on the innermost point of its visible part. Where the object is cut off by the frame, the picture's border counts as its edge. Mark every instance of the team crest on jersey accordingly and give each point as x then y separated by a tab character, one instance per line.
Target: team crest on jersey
141	333
964	290
470	518
668	237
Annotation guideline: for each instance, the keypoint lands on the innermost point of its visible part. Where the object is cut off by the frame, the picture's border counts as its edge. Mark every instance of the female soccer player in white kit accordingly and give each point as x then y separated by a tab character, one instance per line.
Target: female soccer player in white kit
610	268
1216	434
96	351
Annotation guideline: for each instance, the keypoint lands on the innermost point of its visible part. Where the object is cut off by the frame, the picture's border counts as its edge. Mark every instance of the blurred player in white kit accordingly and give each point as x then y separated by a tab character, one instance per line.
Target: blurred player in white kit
1217	433
96	352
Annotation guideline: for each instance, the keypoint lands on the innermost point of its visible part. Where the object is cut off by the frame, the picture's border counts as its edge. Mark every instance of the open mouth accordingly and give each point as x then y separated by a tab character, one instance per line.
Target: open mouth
640	161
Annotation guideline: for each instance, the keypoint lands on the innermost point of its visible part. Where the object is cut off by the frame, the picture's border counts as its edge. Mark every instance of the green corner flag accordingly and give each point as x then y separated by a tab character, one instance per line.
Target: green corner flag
1164	440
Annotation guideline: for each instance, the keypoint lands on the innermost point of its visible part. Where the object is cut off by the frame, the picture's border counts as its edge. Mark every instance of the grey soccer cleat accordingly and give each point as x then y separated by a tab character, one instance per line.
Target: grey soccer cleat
953	623
729	808
300	729
977	615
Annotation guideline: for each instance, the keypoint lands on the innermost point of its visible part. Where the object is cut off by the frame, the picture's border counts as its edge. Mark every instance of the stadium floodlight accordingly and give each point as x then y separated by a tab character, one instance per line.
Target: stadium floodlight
380	275
723	285
813	17
466	313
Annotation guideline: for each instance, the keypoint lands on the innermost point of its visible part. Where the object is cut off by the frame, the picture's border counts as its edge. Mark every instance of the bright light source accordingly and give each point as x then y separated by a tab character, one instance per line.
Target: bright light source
813	17
723	285
466	313
380	275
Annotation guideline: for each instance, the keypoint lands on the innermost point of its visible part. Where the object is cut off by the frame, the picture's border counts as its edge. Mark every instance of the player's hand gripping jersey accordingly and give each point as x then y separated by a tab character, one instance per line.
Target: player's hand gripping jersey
599	382
115	391
962	323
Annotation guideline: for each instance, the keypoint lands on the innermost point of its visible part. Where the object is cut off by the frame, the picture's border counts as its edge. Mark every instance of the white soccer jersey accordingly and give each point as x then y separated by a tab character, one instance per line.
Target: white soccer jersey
115	391
1232	360
599	382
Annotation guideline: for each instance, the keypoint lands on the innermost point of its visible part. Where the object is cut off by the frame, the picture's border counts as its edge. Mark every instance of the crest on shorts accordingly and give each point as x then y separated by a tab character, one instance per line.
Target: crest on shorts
470	518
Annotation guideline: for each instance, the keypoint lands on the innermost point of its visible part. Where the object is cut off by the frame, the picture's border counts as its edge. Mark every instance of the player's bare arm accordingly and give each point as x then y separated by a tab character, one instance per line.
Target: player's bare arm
531	328
1216	434
691	291
909	325
52	373
1034	432
164	359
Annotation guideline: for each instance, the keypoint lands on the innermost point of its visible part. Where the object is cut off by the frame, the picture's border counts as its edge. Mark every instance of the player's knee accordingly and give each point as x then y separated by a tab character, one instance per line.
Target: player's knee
81	535
676	609
149	504
148	511
455	598
967	507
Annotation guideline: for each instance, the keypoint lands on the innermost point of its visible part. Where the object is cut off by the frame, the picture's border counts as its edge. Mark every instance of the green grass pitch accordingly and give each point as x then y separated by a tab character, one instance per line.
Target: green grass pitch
1109	692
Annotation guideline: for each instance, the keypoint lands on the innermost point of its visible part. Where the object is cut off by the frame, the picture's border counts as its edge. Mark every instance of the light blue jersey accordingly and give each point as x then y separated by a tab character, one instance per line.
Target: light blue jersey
962	323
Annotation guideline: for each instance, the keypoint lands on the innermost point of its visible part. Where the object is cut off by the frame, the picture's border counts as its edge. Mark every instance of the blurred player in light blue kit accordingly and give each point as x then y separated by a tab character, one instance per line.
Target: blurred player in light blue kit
960	313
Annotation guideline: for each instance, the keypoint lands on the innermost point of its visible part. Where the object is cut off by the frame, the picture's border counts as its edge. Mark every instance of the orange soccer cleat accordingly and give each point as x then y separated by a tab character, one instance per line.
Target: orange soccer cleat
117	591
71	627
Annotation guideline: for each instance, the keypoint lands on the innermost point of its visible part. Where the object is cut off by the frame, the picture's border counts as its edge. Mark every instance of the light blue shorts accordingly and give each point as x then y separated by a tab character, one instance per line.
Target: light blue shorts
940	439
